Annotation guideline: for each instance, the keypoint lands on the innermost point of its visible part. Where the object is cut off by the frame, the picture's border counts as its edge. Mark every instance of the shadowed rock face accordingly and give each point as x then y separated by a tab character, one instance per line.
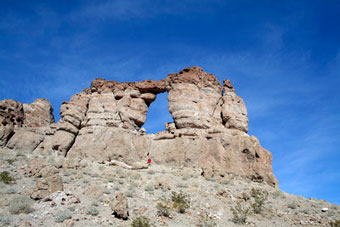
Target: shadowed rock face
102	123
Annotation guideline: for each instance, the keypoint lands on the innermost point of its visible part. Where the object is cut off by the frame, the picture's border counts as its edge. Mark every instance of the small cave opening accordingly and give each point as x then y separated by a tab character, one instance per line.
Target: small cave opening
158	114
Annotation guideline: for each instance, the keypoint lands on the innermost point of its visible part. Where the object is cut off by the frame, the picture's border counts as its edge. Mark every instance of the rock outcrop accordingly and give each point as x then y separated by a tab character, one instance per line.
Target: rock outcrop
23	126
103	122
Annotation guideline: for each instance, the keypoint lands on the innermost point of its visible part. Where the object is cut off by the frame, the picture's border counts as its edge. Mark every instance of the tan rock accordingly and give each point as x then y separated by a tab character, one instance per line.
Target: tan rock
39	113
5	134
234	112
193	97
45	186
24	140
120	206
102	124
62	141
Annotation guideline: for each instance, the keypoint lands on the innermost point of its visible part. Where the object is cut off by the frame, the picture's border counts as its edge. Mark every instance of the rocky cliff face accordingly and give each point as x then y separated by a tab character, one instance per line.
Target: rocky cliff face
104	123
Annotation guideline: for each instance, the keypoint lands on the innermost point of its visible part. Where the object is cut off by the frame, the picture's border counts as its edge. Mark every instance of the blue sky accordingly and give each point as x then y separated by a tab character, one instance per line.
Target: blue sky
283	58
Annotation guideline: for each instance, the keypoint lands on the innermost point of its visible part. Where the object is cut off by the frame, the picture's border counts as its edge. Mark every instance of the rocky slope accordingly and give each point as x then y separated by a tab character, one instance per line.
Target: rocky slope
88	193
97	166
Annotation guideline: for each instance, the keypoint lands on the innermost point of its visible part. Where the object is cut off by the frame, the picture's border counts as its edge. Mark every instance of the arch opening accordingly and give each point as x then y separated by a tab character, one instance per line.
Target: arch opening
158	114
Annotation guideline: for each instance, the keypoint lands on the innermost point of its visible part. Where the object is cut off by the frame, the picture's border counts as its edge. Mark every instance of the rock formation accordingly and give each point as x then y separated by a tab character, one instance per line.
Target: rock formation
104	123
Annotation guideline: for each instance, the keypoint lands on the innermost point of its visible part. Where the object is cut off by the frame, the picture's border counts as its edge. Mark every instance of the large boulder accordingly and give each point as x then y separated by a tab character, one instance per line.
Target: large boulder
194	99
38	114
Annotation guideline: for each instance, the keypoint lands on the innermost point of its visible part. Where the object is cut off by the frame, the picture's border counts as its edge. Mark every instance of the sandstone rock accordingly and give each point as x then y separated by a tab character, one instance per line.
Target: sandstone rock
40	168
120	206
39	113
45	186
193	98
35	166
24	140
104	123
234	112
6	132
62	141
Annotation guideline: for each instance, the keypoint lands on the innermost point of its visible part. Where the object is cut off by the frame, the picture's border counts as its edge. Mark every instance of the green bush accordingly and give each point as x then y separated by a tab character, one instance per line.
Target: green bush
335	223
141	222
92	211
206	221
239	214
180	202
164	207
4	220
292	206
6	178
20	204
63	215
260	197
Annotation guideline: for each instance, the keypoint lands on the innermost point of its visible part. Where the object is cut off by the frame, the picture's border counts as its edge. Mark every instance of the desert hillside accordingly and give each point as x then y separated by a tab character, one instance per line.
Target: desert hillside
97	166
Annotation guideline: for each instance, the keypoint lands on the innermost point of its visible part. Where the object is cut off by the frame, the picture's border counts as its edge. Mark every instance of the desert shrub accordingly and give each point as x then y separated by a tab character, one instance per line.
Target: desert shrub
129	193
186	177
164	207
225	181
6	178
92	211
94	203
181	185
260	197
4	220
63	215
11	191
121	173
111	178
107	191
148	188
239	214
208	178
11	161
335	223
141	222
292	206
180	201
206	221
20	204
20	154
151	172
278	193
72	208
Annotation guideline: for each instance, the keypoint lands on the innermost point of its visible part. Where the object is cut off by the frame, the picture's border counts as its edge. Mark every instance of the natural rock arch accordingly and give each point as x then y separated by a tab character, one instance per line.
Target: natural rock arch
101	123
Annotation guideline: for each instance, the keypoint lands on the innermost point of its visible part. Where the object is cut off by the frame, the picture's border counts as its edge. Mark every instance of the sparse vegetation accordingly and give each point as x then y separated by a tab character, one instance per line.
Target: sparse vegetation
164	207
335	223
151	172
206	221
4	220
292	206
20	204
11	161
180	201
92	211
239	214
141	222
6	178
63	215
148	188
260	196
